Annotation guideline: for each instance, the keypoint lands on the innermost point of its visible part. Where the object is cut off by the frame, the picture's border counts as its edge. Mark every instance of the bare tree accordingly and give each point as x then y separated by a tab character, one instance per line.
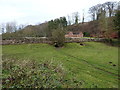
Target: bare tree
8	28
76	17
11	27
98	11
83	17
2	28
69	20
92	11
95	11
110	7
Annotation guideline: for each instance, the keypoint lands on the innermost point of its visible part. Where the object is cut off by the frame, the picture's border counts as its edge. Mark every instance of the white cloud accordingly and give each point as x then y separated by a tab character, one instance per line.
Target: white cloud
33	11
11	12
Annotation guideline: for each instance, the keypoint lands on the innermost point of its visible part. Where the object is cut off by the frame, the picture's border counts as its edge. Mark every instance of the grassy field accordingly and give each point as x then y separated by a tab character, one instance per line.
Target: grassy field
92	65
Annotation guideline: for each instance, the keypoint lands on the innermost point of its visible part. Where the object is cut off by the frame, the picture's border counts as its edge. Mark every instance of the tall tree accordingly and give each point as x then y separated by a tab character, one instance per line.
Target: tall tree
95	11
63	21
103	21
83	17
92	11
69	20
110	7
98	11
11	27
2	28
117	20
76	17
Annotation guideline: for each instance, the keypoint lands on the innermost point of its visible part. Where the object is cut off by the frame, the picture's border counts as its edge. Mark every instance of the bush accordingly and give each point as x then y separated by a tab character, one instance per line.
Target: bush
86	34
112	42
31	74
58	37
26	73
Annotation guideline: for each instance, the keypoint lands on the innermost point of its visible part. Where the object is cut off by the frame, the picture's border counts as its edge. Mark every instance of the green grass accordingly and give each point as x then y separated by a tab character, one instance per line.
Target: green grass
88	64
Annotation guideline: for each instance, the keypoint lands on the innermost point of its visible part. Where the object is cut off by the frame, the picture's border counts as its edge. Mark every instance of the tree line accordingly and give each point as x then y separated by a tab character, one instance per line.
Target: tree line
107	9
99	13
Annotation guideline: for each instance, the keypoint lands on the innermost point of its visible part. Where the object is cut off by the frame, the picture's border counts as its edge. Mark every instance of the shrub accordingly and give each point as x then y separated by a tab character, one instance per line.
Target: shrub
58	37
28	73
86	34
31	74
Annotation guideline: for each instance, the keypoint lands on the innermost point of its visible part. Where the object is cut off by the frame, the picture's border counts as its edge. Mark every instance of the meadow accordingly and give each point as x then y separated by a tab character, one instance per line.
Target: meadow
89	65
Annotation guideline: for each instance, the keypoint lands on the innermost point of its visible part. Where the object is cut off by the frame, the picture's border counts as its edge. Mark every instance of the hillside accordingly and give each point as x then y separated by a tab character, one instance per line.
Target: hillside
79	50
93	28
92	65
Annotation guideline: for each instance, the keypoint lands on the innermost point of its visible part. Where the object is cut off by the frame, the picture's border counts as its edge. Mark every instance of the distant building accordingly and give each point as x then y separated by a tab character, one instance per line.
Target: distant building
74	34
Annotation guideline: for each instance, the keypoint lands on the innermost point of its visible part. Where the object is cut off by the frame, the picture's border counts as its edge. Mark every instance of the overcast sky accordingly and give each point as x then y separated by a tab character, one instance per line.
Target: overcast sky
39	11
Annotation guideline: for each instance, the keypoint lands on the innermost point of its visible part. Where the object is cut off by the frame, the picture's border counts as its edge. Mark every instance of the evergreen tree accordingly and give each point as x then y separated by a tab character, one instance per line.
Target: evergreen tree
117	20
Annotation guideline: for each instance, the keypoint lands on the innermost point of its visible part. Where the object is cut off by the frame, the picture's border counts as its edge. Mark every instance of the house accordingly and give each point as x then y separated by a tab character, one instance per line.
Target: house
74	34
